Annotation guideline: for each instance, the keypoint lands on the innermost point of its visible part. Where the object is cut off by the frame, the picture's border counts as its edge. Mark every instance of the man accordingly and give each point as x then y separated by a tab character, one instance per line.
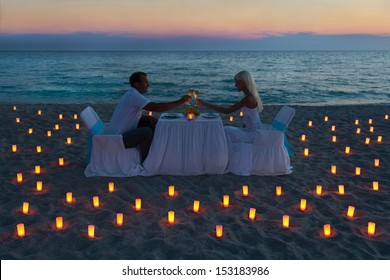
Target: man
128	120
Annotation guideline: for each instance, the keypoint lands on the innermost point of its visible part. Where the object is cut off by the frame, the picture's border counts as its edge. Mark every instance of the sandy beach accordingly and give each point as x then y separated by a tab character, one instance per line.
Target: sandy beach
147	235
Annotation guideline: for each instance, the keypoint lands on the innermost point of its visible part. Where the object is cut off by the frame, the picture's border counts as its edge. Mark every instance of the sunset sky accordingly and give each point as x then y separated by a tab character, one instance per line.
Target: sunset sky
216	19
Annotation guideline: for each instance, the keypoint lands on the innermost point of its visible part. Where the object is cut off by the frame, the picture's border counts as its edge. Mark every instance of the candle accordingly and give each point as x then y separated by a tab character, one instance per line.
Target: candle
60	116
69	140
326	118
252	213
75	116
302	205
386	117
17	120
56	127
356	122
306	152
358	171
376	162
333	128
91	231
190	116
278	190
171	191
334	138
303	137
69	197
351	211
196	206
30	131
219	231
225	201
119	219
347	150
327	230
138	203
245	190
14	148
61	162
310	123
39	186
19	177
367	141
39	112
59	222
375	185
95	200
371	228
333	169
371	129
37	169
358	130
25	207
14	108
111	187
286	221
241	114
341	189
20	230
150	113
39	149
77	125
379	139
369	121
48	133
171	217
318	189
231	118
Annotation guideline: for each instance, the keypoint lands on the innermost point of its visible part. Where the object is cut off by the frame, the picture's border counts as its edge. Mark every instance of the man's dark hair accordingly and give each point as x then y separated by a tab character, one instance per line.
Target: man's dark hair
136	78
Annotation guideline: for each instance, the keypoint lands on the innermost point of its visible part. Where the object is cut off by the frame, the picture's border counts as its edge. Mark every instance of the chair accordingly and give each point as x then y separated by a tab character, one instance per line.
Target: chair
268	154
107	155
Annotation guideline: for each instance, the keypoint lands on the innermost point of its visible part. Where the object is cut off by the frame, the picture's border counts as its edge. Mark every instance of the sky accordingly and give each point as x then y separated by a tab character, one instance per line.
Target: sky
192	24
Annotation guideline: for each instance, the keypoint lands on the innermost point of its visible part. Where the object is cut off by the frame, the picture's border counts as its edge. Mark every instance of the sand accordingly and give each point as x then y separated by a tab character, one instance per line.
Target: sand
147	235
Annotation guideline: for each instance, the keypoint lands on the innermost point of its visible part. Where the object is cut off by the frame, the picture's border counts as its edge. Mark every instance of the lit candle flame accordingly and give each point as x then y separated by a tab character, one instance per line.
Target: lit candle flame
20	230
369	121
219	231
302	205
367	141
245	190
286	221
252	213
371	129
17	120
150	113
37	169
241	114
77	126
190	116
69	140
19	177
60	116
375	185
356	122
341	189
75	116
278	190
358	171
327	230
14	108
231	118
39	149
225	201
326	118
318	189
379	140
351	211
95	201
334	138
347	150
310	123
91	231
303	137
25	208
138	203
39	186
376	162
56	127
119	219
171	217
111	187
39	112
59	222
61	162
333	128
306	152
30	131
358	130
196	206
371	228
48	133
333	169
386	117
14	148
171	191
69	197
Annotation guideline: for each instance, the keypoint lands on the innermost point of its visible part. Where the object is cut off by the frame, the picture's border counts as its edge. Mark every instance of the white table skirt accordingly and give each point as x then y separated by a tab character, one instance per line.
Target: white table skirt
183	147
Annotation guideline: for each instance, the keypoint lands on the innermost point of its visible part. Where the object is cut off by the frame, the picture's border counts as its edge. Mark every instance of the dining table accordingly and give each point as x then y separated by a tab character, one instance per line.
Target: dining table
183	146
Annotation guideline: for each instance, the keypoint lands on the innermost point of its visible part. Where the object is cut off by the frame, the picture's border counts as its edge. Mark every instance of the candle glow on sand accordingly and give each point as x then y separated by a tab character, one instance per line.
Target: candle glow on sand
358	171
91	231
59	222
375	185
310	123
376	162
318	190
367	141
56	127
241	114
327	230
48	133
386	117
119	219
20	230
14	108
371	228
39	149
25	208
69	140
347	150
371	129
39	112
95	200
218	231
61	162
333	128
286	221
351	211
75	116
17	120
303	137
326	118
37	169
111	187
306	152
369	121
356	122
171	217
196	205
30	131
77	125
39	186
245	190
379	140
278	190
334	138
358	130
333	169
341	190
303	204
69	197
231	118
225	201
14	148
60	117
252	213
138	204
19	177
171	191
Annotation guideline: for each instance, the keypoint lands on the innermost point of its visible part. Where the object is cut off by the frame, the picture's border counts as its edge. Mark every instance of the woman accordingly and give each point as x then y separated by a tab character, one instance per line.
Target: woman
250	105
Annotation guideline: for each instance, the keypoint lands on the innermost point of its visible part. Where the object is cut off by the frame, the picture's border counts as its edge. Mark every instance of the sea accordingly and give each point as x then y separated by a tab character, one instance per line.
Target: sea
282	77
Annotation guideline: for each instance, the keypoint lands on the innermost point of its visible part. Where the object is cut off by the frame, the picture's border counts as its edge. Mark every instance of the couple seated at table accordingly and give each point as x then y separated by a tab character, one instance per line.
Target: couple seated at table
137	129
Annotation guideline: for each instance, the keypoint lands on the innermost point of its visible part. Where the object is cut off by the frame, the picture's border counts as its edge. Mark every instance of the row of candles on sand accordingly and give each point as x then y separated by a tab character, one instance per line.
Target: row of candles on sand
196	209
357	122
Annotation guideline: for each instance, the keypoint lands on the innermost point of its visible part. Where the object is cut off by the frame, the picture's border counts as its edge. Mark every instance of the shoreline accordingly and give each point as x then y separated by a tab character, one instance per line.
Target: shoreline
146	234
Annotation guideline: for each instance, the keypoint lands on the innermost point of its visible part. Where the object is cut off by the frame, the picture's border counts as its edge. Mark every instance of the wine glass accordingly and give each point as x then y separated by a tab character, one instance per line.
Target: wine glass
195	93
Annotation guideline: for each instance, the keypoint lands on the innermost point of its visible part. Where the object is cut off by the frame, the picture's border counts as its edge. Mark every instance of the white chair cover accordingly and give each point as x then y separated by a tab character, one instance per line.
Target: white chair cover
108	155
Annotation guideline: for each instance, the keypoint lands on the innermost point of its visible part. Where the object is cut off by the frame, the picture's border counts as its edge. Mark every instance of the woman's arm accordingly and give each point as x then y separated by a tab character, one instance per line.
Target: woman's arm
247	101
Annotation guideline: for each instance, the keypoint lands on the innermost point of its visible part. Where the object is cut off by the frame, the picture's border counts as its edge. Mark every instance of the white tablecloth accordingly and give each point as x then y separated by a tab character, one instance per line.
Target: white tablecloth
183	147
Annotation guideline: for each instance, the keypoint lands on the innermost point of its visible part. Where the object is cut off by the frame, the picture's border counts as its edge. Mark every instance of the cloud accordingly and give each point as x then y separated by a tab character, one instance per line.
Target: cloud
86	41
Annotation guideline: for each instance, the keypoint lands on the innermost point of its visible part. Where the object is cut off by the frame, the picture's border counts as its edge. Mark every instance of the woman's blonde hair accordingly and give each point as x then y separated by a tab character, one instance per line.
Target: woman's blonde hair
250	83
